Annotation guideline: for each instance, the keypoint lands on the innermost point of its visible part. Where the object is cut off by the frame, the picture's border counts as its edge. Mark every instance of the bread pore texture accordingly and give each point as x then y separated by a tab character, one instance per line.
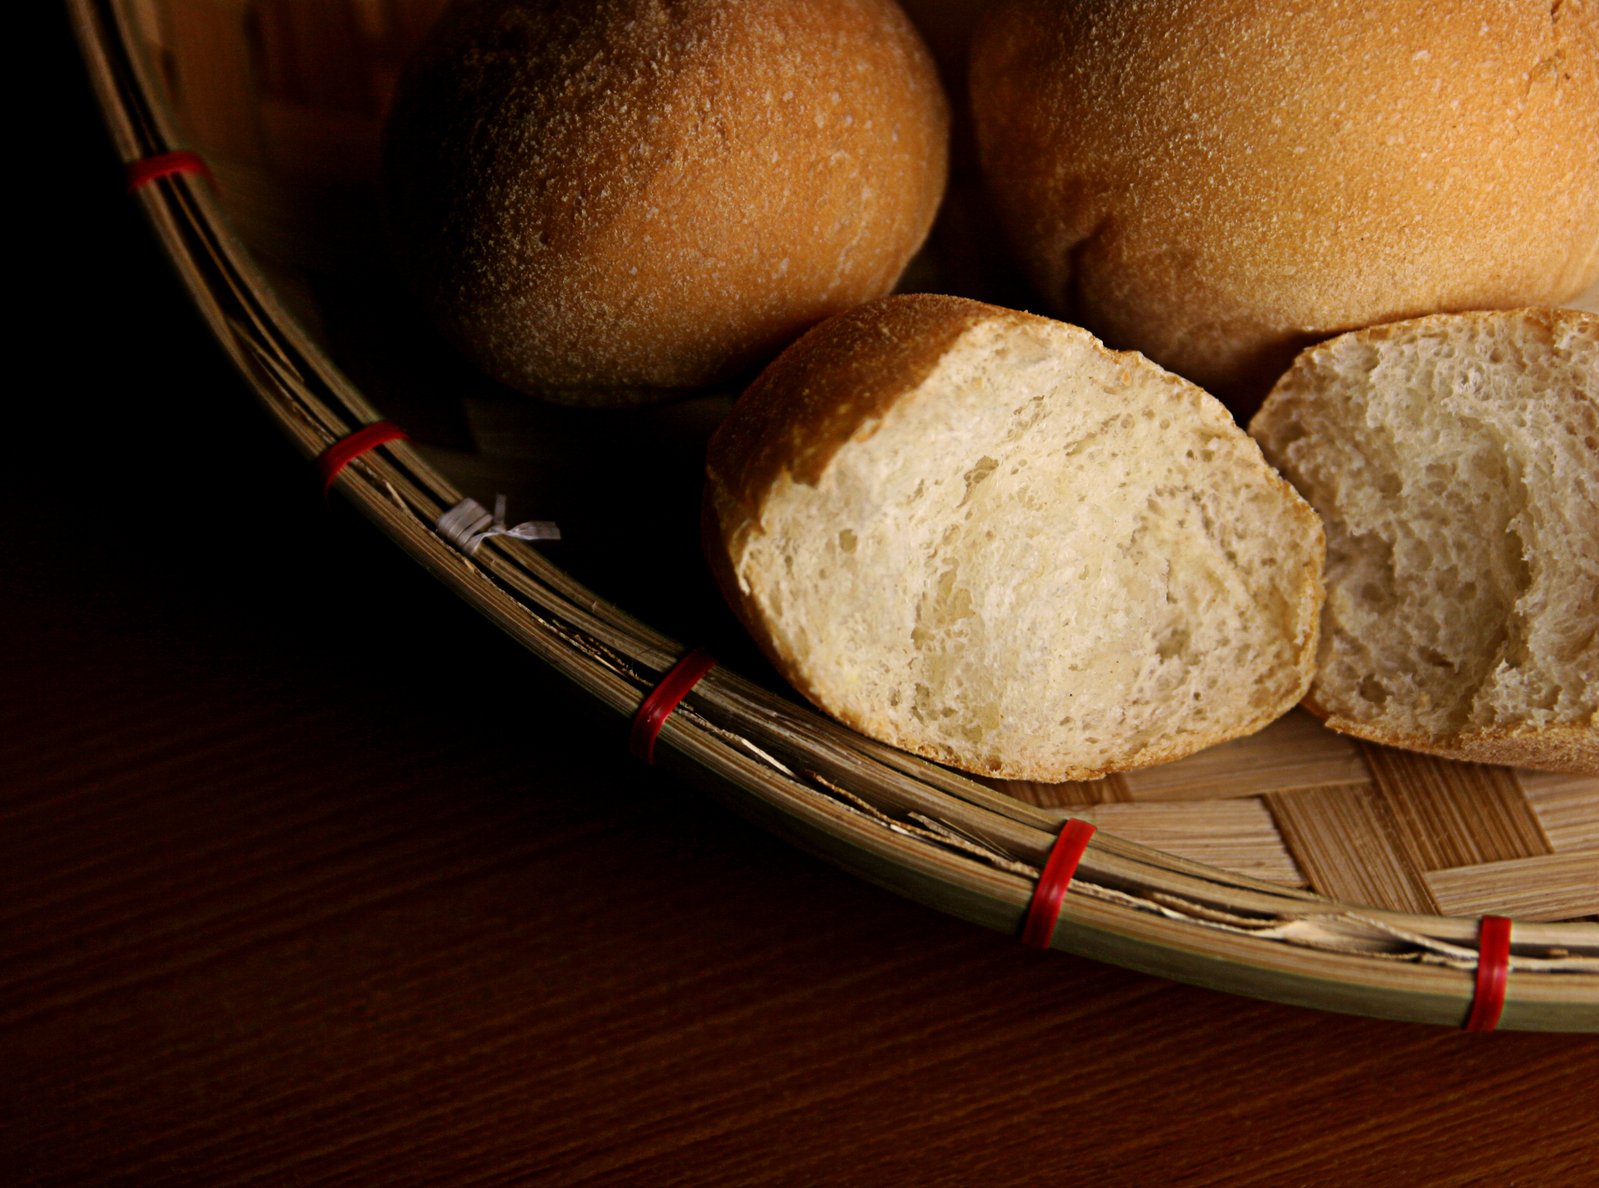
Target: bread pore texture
980	536
1221	183
1455	461
601	201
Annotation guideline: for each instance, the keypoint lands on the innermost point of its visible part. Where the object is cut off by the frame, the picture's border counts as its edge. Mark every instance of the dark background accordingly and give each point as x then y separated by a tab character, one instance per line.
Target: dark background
306	872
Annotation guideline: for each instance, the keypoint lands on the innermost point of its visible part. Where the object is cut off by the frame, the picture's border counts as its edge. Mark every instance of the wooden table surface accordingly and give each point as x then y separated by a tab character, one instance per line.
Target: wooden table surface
308	874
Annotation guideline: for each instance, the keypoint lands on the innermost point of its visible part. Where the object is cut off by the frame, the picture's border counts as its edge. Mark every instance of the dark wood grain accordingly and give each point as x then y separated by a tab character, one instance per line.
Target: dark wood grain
307	875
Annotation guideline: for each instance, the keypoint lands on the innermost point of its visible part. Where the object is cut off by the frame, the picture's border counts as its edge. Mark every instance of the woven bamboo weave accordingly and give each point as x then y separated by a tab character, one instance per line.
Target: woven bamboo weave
284	100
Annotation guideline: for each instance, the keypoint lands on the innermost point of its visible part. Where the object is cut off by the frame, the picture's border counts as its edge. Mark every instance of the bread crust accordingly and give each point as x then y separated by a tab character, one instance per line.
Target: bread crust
814	396
1218	183
1571	747
596	201
829	389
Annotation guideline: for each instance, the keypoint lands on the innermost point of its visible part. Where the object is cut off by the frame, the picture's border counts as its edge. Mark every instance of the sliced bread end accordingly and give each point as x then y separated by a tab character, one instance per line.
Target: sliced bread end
1455	461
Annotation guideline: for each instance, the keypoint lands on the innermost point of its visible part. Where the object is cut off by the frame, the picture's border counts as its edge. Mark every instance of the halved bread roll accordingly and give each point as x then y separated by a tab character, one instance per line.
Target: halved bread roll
1455	460
982	537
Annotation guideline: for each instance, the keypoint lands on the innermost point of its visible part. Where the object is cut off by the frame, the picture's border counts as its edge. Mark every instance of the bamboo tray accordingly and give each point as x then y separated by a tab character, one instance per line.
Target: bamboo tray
1297	865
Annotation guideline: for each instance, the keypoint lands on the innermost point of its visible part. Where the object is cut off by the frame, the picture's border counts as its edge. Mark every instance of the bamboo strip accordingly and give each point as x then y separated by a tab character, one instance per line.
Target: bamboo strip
1349	847
1237	835
216	88
1567	808
1455	814
1296	751
1549	887
310	52
326	145
1112	789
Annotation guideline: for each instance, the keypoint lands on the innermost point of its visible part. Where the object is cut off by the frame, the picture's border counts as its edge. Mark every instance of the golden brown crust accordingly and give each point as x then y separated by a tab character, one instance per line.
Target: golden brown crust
1550	323
1217	182
1572	747
814	396
658	193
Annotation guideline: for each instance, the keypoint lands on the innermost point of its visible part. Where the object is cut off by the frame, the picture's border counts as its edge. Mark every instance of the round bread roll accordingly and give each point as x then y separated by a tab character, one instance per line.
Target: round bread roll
1455	462
1218	183
599	199
982	537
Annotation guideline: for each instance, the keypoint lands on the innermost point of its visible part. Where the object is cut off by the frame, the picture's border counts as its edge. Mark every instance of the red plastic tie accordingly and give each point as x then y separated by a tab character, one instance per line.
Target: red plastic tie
664	698
1050	890
1493	971
145	170
342	452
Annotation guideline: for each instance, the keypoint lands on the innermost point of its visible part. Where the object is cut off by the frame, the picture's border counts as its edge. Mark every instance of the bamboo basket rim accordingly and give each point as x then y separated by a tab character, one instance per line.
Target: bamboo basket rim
896	820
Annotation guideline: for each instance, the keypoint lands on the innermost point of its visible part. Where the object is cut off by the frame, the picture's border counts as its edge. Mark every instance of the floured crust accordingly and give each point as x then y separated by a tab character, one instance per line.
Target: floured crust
1218	183
600	201
862	375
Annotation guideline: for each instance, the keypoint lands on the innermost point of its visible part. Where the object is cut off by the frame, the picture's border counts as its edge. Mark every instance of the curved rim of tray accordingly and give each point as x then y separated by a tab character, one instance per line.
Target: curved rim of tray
900	822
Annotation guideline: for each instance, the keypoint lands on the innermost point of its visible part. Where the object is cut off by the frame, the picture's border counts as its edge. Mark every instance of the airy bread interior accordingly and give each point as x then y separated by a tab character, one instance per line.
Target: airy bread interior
1042	560
1455	460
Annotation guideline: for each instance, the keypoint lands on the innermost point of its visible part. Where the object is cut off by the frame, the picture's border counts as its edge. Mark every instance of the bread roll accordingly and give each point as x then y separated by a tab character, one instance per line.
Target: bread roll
1455	460
980	536
602	200
1219	183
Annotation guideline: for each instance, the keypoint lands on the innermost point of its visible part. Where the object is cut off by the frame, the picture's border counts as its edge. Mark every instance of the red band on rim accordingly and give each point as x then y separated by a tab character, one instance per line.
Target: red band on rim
664	698
145	170
339	455
1493	971
1050	891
